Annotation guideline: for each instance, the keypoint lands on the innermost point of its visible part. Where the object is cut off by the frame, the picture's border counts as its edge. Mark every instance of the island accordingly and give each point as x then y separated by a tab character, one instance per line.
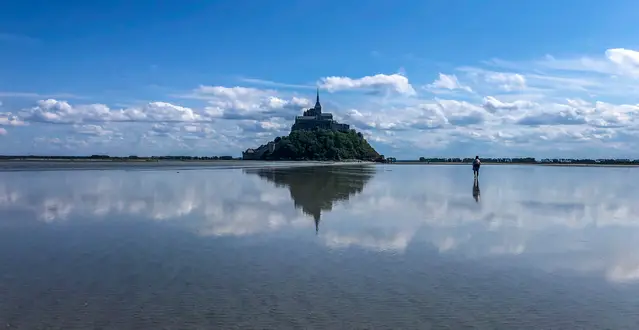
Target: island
316	136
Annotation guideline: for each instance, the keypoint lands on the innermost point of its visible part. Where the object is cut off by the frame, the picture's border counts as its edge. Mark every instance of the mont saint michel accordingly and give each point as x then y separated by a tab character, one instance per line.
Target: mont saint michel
315	135
314	118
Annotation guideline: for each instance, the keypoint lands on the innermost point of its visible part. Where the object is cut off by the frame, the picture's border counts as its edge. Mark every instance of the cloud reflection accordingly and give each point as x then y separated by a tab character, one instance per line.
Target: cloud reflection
205	202
575	219
556	219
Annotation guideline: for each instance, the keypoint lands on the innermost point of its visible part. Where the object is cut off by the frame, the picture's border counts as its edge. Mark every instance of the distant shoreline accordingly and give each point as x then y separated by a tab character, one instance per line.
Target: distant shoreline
112	160
148	160
124	160
178	165
399	162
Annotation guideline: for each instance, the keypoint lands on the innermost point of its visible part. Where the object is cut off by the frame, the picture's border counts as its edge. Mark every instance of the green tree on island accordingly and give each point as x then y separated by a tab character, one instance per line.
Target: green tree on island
321	144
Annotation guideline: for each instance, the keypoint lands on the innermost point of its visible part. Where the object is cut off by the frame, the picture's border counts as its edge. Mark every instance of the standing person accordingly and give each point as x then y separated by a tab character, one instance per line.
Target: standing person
476	165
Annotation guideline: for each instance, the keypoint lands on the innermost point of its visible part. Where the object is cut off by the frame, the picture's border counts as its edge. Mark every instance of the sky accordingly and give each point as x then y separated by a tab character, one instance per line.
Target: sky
439	78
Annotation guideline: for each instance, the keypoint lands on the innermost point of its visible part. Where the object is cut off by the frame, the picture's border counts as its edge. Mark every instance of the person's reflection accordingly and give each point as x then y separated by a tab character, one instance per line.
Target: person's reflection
476	192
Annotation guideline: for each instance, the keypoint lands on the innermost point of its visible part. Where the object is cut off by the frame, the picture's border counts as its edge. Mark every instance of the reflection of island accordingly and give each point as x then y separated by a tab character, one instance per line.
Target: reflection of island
315	189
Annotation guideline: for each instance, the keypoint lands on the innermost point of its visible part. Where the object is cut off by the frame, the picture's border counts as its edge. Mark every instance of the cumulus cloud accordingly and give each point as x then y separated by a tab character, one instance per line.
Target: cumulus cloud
396	83
424	116
61	112
561	117
265	125
449	82
462	113
186	133
627	60
507	81
421	117
3	131
248	103
162	129
96	130
9	119
572	112
610	115
492	104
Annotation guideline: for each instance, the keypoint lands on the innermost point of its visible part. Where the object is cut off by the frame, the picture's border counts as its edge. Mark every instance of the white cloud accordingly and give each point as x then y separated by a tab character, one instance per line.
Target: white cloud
3	131
232	93
380	83
614	61
9	119
507	81
492	104
432	115
461	113
274	124
92	130
627	60
62	112
238	103
449	82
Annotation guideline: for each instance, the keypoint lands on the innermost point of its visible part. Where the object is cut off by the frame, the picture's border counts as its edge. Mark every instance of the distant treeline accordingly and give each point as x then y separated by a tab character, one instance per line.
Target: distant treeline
531	160
106	157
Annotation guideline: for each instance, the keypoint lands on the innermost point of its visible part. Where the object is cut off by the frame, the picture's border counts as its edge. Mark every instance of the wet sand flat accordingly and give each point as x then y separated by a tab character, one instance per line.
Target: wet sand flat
47	165
319	247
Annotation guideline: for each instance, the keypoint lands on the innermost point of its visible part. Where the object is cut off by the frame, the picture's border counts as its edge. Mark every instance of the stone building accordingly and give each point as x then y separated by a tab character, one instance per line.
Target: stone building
314	118
255	154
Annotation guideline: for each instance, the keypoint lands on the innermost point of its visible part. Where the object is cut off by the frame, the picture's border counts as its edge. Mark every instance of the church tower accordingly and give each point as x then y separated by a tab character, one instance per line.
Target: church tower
318	106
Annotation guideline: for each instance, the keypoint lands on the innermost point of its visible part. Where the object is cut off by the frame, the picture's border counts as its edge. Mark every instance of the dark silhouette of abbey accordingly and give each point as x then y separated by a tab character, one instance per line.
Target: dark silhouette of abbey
314	118
316	188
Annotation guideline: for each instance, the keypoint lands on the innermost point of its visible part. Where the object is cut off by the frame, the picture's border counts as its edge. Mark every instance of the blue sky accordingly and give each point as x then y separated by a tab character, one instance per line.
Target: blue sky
418	78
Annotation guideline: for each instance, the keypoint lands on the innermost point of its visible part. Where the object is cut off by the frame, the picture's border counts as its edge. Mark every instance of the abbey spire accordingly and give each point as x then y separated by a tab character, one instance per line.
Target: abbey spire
318	106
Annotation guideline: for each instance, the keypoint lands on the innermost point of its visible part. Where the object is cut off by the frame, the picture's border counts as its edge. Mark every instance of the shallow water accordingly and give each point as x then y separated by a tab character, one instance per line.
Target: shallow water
387	246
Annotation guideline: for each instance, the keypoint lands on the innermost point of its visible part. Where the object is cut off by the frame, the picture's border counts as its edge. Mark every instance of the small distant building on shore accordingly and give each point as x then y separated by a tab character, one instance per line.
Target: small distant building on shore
256	154
314	118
